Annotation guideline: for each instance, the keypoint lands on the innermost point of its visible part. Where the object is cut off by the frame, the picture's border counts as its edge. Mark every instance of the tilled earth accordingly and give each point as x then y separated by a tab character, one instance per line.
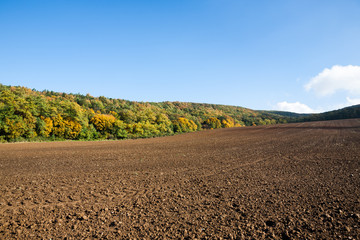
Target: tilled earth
290	181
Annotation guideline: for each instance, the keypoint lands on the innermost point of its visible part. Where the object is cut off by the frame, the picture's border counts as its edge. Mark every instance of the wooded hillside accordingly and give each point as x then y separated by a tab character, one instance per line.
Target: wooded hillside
27	115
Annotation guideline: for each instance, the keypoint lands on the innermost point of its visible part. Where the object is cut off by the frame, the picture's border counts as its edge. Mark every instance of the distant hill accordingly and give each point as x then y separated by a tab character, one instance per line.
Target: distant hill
344	113
288	114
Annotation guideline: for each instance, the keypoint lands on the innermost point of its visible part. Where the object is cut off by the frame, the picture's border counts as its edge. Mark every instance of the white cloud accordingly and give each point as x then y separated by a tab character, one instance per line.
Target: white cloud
352	101
296	107
334	79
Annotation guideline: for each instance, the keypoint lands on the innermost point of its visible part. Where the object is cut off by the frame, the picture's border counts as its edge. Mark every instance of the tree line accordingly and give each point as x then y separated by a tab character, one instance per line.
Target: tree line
31	115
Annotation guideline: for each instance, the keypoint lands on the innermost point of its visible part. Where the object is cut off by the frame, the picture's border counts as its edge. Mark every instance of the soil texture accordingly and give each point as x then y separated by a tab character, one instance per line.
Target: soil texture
289	181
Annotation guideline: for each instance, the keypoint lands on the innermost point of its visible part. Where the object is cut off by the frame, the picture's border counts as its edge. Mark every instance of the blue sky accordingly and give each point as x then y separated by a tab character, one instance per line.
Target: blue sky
295	55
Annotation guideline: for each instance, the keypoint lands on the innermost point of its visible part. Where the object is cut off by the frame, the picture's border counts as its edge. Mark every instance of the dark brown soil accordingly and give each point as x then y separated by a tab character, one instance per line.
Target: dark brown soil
291	181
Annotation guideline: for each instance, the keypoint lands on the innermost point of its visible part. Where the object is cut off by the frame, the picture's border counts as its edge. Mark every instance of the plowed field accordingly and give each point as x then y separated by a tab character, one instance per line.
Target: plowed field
290	181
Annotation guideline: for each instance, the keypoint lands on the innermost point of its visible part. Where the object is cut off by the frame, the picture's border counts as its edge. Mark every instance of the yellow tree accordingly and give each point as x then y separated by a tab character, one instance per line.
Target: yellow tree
103	122
227	122
212	123
184	125
65	127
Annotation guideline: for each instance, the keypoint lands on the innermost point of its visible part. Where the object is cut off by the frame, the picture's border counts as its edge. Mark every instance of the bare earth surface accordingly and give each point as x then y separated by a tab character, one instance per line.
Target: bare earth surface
291	181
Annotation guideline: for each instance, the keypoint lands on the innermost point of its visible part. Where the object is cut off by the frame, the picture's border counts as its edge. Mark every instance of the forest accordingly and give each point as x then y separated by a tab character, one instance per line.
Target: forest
31	115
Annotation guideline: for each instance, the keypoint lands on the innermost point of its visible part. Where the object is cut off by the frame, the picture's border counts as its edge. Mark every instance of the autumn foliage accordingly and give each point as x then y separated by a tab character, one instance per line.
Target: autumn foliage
212	123
27	114
103	122
184	125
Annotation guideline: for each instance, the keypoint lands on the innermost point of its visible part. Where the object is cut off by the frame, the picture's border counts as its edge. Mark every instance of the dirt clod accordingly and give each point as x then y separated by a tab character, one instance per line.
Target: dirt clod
270	223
